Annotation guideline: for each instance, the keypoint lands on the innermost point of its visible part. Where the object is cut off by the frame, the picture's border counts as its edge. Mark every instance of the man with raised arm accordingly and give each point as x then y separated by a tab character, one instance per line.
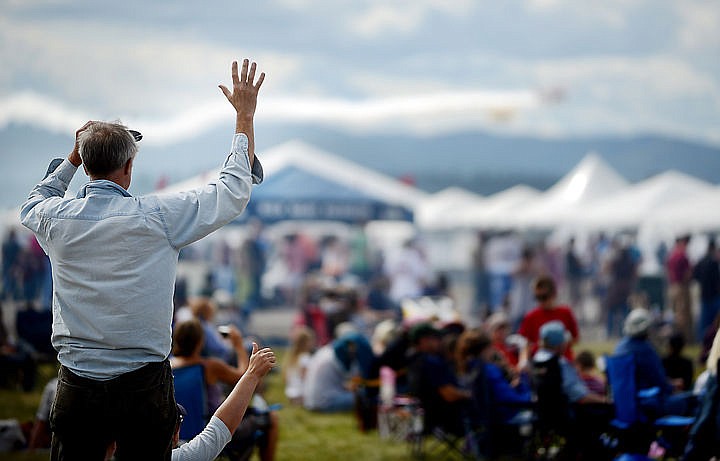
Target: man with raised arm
114	259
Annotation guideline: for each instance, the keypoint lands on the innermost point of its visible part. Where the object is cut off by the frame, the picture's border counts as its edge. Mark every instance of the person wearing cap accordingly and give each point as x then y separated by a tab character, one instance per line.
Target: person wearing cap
554	339
334	372
649	370
564	402
114	259
547	310
432	381
498	328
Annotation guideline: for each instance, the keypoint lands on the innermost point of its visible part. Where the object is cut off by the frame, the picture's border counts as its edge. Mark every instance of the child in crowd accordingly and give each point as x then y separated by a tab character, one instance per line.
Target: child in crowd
296	361
678	368
586	365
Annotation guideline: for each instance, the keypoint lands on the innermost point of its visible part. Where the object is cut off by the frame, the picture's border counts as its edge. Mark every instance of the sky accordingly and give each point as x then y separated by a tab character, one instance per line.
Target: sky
551	68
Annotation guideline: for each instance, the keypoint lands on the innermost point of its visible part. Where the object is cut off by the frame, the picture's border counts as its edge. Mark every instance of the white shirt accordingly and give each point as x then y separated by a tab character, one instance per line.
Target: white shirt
205	446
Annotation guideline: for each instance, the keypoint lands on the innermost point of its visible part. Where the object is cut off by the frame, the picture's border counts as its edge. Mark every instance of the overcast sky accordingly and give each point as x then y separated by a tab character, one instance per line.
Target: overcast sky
411	66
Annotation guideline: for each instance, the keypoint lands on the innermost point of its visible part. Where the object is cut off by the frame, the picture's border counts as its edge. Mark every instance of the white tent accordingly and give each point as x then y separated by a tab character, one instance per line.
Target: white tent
589	181
632	207
443	209
496	211
693	213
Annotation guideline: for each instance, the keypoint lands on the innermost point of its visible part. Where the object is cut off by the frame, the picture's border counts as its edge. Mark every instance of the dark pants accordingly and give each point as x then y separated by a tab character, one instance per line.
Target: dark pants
137	410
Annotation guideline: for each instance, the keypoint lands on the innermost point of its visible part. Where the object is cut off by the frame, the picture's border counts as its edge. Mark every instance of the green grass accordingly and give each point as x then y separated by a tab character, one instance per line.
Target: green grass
303	435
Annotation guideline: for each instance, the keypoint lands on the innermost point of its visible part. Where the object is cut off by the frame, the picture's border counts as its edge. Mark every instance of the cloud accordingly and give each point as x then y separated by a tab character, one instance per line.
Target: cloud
612	13
120	70
403	17
420	66
699	25
427	112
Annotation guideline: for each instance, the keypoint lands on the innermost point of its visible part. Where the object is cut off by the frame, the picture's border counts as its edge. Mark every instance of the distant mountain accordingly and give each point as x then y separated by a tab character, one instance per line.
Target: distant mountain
484	163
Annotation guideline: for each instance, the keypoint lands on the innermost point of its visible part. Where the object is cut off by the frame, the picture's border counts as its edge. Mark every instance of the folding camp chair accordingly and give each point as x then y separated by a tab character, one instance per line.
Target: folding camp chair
551	435
190	392
635	430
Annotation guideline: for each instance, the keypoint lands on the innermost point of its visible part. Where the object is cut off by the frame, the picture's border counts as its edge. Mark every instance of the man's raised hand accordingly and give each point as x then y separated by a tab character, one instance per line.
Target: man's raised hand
245	89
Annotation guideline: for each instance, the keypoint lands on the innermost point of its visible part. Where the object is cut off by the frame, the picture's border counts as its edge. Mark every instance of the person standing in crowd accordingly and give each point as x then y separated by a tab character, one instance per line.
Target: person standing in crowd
621	270
526	270
114	259
10	262
253	260
707	274
574	275
502	254
408	272
480	277
545	291
679	276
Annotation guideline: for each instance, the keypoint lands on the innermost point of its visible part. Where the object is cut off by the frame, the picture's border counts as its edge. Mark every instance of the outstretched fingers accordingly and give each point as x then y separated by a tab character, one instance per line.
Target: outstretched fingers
260	79
251	76
244	72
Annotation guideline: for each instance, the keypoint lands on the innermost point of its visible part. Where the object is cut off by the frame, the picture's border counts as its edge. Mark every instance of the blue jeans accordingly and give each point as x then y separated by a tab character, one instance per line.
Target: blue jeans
136	410
615	318
709	309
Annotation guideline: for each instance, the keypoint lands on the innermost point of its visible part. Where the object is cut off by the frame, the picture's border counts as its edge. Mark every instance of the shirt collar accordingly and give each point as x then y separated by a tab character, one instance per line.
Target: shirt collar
102	187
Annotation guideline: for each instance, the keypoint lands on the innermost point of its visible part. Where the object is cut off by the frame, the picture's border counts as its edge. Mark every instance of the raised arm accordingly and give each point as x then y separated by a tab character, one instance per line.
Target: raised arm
231	411
244	99
53	185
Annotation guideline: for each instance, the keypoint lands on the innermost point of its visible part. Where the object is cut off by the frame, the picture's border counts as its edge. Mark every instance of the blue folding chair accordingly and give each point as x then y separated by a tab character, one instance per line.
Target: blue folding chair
636	429
190	392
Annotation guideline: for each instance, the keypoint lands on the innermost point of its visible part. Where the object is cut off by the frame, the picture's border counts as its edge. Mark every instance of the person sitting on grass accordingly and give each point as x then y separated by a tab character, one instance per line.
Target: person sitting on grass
208	444
432	381
187	347
335	371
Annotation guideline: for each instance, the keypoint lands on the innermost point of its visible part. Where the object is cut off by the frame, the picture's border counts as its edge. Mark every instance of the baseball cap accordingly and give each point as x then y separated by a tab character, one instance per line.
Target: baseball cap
423	330
553	333
637	322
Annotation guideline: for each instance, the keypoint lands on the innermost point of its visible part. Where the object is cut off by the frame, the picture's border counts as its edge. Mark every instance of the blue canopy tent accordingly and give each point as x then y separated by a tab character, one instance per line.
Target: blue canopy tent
295	194
303	183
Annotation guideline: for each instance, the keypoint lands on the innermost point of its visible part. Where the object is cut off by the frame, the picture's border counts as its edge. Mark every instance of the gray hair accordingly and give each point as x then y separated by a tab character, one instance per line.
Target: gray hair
105	147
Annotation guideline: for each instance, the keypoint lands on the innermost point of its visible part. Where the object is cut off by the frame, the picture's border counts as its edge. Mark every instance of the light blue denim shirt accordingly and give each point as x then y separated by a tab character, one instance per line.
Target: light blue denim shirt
114	260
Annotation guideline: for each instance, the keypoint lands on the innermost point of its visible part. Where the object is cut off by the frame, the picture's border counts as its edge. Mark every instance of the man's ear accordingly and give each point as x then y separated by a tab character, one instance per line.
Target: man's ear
85	169
128	166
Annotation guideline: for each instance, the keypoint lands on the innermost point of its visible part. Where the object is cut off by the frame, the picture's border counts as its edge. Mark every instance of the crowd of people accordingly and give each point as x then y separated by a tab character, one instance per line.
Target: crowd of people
496	376
144	364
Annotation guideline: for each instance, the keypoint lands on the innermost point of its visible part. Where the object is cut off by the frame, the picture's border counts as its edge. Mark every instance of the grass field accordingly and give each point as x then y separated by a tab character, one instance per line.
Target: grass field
303	435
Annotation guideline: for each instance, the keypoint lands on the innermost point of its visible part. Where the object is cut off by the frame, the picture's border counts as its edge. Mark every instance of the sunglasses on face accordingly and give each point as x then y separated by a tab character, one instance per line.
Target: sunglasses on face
542	296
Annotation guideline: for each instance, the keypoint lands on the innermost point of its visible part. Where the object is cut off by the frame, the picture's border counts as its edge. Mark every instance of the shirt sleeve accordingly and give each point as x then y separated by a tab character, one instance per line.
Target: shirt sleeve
55	184
207	445
502	392
191	215
573	385
572	325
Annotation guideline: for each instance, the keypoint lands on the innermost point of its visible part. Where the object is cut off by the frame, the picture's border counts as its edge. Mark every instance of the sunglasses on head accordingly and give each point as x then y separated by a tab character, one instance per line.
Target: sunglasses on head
136	135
